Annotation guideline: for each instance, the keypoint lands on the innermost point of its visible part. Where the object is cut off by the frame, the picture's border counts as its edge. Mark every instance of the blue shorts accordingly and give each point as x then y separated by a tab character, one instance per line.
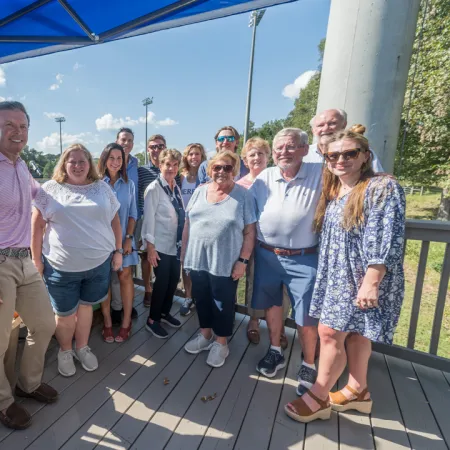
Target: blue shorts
297	273
68	290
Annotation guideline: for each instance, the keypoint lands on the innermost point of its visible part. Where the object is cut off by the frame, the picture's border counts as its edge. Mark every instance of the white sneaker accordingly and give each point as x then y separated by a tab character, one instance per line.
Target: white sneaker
198	344
217	355
66	366
87	359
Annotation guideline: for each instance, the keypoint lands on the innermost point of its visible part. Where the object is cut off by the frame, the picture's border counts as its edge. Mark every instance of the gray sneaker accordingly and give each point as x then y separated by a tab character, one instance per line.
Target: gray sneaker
66	366
217	355
198	344
185	308
87	359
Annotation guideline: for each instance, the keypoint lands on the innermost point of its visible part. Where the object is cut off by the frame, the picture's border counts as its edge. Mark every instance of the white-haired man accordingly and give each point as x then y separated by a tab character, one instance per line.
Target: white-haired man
325	124
286	197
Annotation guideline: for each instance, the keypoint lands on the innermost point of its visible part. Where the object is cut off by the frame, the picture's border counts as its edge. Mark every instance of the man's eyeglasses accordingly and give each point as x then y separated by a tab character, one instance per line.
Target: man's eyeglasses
288	148
347	155
157	146
226	138
227	168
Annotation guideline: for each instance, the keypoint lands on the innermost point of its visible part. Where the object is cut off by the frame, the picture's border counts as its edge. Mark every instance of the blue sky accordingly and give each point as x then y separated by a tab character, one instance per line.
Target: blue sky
197	74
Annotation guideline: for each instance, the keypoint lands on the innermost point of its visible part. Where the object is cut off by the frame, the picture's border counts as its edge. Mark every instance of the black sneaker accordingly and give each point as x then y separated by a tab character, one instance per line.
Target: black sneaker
171	321
185	308
134	313
306	377
271	363
156	329
116	317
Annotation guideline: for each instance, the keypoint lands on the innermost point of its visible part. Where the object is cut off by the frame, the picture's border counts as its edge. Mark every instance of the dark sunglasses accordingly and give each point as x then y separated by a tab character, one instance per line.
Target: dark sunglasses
227	168
227	138
157	146
347	155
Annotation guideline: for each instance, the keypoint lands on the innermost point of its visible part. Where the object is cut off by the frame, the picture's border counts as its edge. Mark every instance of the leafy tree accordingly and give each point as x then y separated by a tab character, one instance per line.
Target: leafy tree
423	154
48	169
141	158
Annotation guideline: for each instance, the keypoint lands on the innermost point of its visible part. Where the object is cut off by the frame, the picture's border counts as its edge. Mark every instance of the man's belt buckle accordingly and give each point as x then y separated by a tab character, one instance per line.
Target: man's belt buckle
281	251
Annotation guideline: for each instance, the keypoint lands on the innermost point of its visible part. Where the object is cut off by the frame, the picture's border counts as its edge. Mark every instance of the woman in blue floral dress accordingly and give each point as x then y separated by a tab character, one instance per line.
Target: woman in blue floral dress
360	284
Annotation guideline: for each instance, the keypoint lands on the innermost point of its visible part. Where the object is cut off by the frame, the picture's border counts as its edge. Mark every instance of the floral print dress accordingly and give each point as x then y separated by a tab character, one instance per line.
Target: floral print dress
346	255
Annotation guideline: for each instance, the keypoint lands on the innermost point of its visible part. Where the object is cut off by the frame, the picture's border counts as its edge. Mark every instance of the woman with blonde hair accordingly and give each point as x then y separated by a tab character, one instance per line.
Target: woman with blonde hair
162	230
193	156
76	238
360	284
218	240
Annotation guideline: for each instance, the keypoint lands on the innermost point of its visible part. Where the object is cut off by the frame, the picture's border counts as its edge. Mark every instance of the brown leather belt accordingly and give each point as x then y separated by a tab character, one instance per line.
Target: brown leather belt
289	252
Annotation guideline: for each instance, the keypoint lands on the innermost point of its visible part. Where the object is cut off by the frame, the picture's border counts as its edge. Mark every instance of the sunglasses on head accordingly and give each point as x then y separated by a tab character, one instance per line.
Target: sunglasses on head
227	138
157	146
227	168
347	155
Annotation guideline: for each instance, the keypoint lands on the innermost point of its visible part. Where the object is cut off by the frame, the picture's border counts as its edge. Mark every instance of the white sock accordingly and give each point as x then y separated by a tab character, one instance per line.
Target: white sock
278	349
311	366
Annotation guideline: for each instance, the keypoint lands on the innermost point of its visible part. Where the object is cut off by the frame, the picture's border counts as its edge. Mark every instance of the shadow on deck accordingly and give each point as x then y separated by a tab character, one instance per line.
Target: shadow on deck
147	394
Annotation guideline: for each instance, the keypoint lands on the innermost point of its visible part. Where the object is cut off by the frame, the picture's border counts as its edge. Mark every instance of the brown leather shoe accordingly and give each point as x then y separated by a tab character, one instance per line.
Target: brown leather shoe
15	417
44	394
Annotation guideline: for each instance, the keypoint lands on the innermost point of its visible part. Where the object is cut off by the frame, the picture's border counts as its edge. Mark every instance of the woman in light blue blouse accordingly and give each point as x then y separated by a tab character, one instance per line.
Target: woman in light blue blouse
359	287
113	170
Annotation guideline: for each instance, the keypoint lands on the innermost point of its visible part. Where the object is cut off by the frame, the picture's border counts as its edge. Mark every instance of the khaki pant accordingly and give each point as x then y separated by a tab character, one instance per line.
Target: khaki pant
260	313
22	289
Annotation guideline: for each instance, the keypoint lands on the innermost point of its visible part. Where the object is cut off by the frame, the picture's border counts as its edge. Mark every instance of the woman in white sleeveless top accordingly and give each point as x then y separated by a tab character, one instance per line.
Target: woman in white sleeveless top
193	156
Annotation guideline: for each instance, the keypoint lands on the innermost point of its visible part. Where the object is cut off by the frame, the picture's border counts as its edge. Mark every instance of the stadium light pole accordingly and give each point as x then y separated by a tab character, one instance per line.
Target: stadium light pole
60	120
147	101
255	19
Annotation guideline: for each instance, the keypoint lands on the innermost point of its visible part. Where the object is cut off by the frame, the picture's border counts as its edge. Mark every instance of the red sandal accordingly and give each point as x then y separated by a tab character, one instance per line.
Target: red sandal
124	334
108	335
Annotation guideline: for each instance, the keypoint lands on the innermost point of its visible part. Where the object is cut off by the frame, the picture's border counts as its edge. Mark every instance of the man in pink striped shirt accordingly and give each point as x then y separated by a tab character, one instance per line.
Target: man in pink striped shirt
21	286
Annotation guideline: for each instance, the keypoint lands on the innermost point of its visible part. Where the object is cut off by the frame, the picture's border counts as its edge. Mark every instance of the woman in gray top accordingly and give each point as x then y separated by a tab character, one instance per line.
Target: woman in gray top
218	239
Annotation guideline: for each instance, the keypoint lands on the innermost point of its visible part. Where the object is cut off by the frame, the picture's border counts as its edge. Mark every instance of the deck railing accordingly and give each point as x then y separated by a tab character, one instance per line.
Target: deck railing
426	232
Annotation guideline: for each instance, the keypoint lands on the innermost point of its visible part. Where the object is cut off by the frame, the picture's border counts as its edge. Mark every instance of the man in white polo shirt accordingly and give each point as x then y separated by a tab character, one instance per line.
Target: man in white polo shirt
325	124
286	254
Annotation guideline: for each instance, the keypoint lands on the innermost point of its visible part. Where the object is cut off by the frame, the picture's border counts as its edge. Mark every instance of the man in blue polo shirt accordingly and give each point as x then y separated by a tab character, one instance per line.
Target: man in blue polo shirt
286	251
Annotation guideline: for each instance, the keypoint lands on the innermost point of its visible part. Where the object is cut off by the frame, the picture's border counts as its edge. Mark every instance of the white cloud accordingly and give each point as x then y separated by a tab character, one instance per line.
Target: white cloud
77	66
50	144
109	122
2	99
293	90
2	77
168	122
22	98
53	115
59	79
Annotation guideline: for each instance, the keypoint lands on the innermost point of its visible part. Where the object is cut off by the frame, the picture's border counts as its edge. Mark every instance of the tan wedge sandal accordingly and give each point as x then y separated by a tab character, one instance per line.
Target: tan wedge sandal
339	402
301	412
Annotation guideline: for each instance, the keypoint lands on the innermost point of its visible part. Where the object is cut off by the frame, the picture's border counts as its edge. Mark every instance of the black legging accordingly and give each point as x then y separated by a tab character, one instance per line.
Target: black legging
167	275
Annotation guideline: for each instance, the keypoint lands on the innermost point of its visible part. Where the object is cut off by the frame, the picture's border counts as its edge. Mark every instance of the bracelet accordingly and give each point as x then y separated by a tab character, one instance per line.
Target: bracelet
128	236
243	260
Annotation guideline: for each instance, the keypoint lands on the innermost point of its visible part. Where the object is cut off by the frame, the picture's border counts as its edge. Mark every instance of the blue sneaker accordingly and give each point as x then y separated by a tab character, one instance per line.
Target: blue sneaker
188	304
271	363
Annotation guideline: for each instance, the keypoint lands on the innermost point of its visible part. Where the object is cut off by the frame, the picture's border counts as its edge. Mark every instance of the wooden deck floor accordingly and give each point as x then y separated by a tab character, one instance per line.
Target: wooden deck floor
126	403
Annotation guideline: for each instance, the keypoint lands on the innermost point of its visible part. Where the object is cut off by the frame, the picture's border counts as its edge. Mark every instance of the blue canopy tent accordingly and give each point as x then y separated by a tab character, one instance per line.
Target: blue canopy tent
30	28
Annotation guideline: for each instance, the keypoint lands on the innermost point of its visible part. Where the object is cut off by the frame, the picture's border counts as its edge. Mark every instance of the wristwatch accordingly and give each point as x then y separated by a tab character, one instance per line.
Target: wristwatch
128	236
242	260
118	250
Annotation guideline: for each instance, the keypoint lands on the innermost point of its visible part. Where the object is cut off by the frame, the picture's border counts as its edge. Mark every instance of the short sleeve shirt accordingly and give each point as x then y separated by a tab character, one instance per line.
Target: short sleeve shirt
216	230
78	235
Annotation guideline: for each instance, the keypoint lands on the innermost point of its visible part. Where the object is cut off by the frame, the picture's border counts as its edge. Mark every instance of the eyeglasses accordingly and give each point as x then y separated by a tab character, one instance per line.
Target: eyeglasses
75	163
157	146
288	148
347	155
227	168
226	138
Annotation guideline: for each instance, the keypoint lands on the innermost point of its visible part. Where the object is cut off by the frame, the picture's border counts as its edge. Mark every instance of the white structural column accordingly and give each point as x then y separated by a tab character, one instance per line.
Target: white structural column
365	67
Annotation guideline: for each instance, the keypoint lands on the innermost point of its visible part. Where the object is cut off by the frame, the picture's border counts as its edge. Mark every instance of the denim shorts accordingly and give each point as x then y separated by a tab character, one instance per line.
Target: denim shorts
68	290
297	273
